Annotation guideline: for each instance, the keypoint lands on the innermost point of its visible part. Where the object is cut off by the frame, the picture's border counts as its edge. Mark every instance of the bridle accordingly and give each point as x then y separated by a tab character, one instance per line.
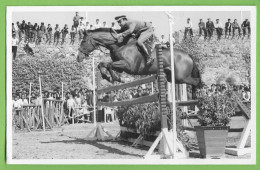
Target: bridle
91	40
113	31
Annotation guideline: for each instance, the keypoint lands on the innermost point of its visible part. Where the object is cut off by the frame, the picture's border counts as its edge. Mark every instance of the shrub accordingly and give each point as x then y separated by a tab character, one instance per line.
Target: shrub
217	109
146	119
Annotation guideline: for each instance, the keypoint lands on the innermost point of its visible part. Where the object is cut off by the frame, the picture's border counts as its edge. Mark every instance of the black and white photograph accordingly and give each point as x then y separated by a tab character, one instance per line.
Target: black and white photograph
142	85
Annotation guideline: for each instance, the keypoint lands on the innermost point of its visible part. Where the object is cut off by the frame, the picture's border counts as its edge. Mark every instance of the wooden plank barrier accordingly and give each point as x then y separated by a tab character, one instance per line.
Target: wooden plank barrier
140	100
127	85
30	117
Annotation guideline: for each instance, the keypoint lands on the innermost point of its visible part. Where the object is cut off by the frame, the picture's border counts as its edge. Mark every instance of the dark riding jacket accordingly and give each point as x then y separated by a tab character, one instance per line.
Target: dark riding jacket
132	26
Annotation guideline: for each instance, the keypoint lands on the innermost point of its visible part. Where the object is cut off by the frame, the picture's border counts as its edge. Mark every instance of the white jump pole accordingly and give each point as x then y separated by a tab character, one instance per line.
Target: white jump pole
30	93
94	91
171	22
152	88
62	94
43	121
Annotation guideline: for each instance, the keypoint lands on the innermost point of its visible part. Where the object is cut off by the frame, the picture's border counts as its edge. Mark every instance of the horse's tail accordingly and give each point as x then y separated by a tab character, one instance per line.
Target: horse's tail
195	71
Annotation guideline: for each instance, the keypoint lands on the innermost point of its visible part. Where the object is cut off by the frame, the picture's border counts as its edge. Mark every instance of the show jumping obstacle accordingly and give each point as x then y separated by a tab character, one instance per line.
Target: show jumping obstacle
49	113
240	148
165	137
30	116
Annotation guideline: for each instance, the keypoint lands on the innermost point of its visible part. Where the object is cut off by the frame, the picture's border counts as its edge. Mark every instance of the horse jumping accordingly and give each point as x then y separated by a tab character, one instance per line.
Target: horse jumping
127	58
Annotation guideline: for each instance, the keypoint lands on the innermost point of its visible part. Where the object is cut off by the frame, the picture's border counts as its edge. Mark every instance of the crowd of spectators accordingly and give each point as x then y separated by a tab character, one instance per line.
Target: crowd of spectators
48	34
56	35
126	94
243	91
208	28
76	100
230	30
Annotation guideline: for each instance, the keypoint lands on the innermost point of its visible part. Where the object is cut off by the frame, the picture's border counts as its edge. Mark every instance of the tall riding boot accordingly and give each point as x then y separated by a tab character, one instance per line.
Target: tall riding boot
148	58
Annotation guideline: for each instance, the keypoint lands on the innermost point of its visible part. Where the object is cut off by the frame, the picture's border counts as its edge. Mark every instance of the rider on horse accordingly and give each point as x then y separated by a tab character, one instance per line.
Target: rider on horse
133	27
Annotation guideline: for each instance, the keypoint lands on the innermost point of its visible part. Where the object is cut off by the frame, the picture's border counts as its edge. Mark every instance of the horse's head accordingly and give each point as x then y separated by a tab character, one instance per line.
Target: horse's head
93	39
87	45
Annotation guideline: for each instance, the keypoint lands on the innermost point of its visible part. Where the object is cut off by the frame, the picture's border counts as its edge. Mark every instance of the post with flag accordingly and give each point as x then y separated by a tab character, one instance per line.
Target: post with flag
177	145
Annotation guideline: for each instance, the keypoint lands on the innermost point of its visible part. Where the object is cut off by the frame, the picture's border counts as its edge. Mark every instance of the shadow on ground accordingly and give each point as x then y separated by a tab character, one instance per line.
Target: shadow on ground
99	145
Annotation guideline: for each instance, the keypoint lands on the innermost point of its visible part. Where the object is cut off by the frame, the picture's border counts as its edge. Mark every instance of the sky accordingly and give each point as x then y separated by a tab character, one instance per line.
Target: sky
159	19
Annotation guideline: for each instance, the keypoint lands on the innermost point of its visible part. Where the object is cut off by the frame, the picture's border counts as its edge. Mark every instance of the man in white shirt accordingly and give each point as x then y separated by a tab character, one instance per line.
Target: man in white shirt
219	29
82	28
15	42
113	26
71	105
57	34
104	25
87	26
17	103
24	101
97	25
188	28
91	27
163	41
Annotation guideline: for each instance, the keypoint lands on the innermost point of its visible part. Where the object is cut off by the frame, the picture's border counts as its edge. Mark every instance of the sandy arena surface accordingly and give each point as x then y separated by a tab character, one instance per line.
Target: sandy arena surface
68	142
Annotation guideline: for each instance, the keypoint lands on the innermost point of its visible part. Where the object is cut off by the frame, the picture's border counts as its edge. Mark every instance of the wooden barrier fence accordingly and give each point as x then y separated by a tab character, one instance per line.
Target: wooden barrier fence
30	116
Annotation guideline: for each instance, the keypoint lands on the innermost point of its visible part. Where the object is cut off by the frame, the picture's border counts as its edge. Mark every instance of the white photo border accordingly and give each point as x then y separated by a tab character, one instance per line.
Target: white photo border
9	151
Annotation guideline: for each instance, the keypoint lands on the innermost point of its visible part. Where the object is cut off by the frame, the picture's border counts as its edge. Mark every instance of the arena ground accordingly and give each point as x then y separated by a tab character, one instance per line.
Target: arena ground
68	142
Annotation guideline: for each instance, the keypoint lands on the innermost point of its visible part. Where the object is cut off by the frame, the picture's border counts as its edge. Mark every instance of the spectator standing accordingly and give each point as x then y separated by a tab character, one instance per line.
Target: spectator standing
17	103
26	30
91	27
188	28
42	30
163	41
24	101
15	29
97	25
72	34
56	34
49	34
19	35
35	28
23	28
15	43
87	26
78	100
104	25
76	19
246	28
246	94
81	30
30	32
235	26
219	29
202	27
64	32
71	105
113	26
228	27
210	28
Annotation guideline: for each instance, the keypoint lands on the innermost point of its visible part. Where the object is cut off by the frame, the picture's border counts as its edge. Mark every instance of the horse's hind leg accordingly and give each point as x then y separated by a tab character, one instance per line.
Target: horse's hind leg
192	81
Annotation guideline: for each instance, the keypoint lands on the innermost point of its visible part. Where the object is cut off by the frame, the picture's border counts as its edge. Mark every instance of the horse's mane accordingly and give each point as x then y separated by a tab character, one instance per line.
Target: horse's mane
102	30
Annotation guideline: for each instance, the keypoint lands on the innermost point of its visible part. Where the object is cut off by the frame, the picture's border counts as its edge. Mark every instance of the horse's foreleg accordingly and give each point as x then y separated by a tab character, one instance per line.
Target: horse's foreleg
102	68
120	65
